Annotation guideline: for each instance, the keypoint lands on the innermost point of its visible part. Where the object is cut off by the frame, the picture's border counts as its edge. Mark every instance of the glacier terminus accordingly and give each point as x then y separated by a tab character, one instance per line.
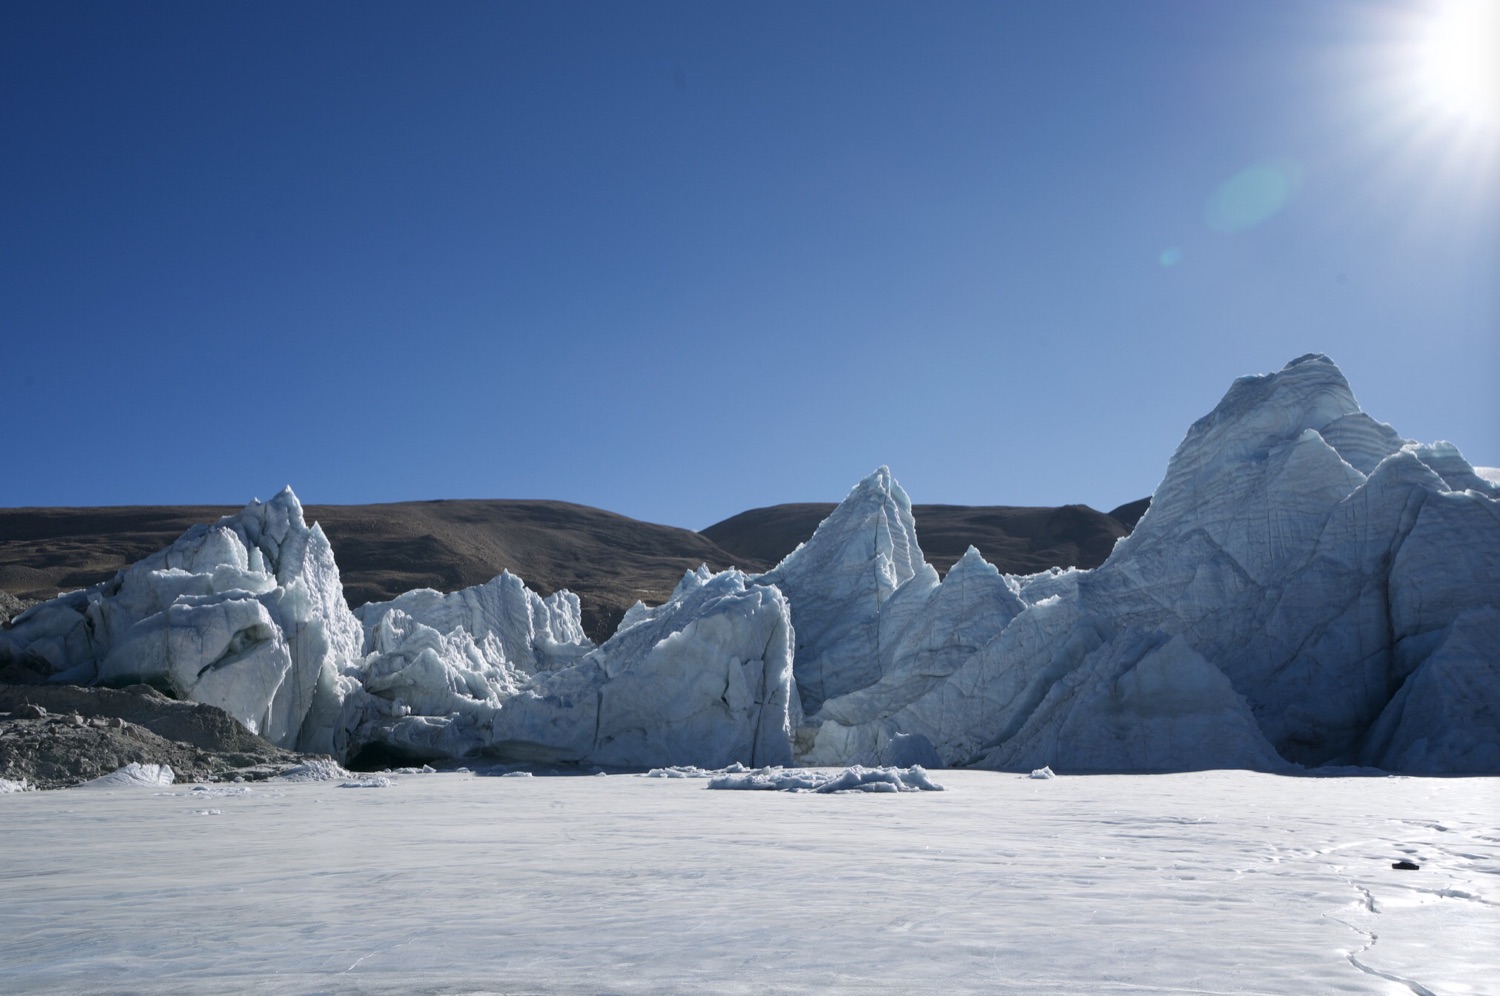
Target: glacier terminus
1307	590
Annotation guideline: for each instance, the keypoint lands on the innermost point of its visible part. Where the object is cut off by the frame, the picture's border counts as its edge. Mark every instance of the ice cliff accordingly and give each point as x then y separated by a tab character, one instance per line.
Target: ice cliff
248	615
839	581
705	679
1307	588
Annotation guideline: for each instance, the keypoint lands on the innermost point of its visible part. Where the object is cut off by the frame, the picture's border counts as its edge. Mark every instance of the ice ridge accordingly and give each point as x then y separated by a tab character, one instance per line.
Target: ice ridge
1307	588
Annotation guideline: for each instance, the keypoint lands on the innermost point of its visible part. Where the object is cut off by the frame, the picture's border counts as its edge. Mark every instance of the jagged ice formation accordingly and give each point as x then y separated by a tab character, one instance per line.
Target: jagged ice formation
1307	588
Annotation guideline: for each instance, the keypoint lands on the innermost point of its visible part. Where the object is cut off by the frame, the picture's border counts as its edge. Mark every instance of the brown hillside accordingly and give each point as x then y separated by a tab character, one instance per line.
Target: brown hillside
382	550
609	560
1018	540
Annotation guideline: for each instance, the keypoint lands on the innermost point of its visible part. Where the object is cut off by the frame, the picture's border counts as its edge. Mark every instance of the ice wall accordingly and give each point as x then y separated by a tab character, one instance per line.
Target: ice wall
246	614
1306	587
704	679
839	580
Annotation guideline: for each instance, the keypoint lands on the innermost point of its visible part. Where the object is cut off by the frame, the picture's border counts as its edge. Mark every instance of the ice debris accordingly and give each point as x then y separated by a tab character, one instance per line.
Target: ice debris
689	771
373	782
1042	773
852	779
134	775
315	769
213	792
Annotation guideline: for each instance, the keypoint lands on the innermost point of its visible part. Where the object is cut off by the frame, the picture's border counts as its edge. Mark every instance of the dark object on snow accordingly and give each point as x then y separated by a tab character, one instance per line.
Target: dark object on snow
1406	866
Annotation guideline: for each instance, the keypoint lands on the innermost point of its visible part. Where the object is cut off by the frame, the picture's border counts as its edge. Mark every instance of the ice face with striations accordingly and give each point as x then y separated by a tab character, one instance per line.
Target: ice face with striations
704	679
1306	587
839	581
246	614
1314	556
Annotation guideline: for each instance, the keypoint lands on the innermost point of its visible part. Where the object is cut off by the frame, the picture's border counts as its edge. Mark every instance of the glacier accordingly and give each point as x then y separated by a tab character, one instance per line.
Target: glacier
705	679
1308	588
246	614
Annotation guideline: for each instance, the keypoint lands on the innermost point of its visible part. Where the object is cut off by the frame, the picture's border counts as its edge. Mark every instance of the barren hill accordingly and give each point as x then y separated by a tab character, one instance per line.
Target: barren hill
609	560
1018	540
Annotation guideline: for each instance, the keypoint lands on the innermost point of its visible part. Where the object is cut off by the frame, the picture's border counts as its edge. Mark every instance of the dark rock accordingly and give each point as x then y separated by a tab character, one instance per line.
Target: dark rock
1406	866
10	607
82	733
202	726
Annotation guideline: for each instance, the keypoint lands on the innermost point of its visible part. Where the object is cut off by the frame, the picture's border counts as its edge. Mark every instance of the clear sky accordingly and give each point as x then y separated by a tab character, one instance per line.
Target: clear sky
682	259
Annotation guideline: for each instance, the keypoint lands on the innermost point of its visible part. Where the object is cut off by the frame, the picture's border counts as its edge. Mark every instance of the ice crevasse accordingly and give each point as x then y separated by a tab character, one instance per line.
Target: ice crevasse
1306	589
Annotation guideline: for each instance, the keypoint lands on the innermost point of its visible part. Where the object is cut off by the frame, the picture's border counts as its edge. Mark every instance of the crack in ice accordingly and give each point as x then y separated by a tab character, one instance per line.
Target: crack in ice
1371	938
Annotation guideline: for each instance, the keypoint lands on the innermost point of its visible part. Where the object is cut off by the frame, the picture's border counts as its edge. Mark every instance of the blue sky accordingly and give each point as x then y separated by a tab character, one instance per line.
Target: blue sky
680	260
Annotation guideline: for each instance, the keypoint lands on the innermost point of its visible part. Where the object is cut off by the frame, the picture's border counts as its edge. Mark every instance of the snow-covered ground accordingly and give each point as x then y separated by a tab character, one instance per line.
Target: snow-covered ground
1209	882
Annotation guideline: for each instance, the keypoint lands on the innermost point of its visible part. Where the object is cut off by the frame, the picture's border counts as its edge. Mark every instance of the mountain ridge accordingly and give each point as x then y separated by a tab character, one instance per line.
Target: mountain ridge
609	560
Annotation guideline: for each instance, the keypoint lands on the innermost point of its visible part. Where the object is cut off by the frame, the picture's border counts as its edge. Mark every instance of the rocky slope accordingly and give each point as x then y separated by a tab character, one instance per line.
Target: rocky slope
54	736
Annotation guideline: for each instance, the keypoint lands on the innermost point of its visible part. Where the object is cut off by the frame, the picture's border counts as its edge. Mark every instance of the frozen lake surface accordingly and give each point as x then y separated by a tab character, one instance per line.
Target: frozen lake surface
1213	882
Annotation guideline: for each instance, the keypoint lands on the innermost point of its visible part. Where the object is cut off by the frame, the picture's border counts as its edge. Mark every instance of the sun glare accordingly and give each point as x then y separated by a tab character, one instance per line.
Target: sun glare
1460	60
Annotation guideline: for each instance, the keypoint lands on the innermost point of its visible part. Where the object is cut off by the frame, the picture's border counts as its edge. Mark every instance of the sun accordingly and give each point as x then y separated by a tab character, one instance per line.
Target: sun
1459	60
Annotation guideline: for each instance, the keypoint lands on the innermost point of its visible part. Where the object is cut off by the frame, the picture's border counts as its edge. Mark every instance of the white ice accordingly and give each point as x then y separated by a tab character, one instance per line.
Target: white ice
1308	588
1212	882
855	778
838	582
314	769
247	614
134	775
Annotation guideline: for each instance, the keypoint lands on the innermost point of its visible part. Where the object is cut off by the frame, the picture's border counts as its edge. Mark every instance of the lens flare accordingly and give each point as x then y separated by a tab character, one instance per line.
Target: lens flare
1253	195
1459	56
